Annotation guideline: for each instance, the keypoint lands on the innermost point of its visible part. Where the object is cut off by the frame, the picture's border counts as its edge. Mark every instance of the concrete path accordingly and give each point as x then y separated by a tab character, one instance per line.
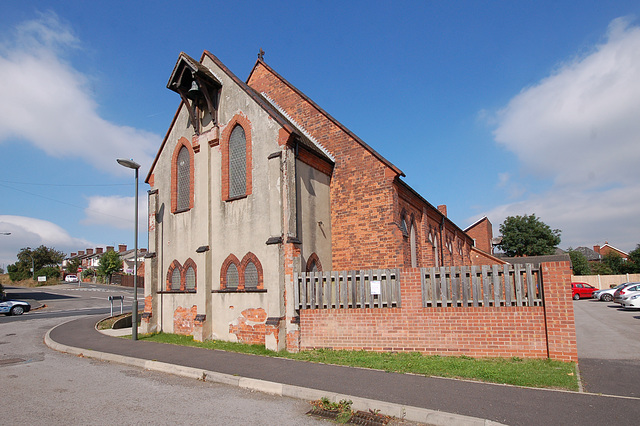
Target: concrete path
426	399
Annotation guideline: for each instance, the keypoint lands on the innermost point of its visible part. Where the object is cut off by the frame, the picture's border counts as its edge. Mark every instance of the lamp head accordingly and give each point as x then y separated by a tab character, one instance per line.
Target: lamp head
128	163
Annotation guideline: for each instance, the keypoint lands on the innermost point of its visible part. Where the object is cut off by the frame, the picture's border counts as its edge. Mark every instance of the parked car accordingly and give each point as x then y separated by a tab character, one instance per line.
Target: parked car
624	290
582	290
71	278
14	307
631	300
606	294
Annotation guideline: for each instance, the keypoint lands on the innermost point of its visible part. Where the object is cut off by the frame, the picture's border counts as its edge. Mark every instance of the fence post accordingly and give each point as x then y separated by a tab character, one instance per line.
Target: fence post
558	310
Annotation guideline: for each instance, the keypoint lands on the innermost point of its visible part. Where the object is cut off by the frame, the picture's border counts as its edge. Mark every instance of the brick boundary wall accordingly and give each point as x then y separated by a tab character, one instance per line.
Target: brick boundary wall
477	332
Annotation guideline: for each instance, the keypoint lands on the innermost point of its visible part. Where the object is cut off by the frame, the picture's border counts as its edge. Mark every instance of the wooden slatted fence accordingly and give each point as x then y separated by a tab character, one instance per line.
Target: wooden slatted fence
347	289
474	286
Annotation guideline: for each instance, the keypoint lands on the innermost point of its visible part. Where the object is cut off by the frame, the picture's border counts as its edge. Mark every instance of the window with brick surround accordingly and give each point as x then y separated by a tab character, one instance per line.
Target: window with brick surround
233	277
414	249
182	278
190	279
175	279
237	163
313	264
236	149
241	276
403	224
184	179
250	276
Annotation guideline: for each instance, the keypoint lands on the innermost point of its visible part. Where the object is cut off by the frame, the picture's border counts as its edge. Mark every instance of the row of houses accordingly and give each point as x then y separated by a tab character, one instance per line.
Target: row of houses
599	251
90	258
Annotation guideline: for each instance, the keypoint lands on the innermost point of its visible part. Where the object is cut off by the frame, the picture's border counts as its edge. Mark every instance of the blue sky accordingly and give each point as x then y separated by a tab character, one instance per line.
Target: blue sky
492	108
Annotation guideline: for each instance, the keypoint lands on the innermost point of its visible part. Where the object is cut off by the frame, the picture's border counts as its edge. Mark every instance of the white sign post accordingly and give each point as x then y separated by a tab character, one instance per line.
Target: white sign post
42	278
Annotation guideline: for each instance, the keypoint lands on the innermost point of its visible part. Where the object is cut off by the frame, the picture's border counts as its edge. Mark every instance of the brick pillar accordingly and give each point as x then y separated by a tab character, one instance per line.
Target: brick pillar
291	322
558	304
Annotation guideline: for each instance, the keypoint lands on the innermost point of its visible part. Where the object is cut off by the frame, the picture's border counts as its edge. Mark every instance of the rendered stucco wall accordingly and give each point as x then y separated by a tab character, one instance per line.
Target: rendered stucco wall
236	227
314	214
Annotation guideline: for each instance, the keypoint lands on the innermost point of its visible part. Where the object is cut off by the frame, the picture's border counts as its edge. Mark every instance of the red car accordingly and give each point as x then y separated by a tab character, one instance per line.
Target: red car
582	290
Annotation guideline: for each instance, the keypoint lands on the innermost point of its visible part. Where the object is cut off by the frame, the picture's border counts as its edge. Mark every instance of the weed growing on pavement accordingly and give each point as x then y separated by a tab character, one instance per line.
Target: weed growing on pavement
543	373
342	410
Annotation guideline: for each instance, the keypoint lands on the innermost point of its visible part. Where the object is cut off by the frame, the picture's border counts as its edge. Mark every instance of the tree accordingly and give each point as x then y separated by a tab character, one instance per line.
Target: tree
634	260
614	262
110	262
73	265
579	263
527	236
40	258
600	268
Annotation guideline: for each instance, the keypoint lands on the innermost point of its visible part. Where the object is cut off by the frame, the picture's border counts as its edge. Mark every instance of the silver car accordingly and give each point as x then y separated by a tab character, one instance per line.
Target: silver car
626	289
606	294
14	307
631	300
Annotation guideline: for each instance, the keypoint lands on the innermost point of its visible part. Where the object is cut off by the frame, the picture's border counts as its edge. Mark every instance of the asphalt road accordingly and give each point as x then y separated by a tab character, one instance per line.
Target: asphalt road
43	387
608	347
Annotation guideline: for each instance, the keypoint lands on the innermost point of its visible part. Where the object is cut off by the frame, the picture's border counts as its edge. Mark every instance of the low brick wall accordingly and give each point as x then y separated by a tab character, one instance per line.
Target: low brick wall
529	332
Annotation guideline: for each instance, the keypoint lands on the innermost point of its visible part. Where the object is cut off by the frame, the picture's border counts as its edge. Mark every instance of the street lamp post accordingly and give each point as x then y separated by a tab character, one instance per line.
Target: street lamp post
134	315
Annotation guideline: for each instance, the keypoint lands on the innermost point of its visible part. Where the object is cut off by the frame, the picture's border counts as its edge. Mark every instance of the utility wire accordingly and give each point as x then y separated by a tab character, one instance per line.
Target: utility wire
64	184
67	204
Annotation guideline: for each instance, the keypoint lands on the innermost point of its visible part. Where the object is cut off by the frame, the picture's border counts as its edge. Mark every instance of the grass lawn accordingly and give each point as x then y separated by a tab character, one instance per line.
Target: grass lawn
541	373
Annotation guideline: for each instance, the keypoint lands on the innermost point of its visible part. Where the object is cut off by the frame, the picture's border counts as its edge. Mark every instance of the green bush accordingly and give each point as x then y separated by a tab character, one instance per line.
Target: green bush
51	272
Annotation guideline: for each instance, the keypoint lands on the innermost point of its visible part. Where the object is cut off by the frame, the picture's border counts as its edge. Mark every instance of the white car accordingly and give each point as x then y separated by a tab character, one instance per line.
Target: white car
631	300
14	307
71	278
606	294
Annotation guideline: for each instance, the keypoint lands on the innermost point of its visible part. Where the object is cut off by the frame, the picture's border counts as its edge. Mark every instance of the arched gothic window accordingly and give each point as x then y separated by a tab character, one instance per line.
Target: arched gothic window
175	279
414	249
233	278
237	163
250	276
184	180
190	280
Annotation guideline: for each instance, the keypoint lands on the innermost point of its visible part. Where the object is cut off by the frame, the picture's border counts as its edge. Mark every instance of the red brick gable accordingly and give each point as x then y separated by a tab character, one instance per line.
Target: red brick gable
367	196
482	232
361	183
607	248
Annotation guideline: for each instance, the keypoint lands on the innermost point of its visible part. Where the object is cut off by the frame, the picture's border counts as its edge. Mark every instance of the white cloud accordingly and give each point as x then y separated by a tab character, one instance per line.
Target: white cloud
585	217
31	232
580	129
580	125
46	102
116	211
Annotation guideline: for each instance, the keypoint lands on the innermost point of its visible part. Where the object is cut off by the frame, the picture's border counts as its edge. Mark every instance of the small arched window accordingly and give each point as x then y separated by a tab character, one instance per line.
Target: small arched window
250	276
175	279
190	281
403	225
237	163
184	179
232	276
414	249
313	263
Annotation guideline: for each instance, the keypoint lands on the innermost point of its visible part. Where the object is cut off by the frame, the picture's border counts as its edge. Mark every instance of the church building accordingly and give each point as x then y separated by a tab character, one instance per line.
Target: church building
254	182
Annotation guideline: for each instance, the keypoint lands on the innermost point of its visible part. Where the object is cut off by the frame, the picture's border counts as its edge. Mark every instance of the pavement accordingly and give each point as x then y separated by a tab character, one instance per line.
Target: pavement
431	400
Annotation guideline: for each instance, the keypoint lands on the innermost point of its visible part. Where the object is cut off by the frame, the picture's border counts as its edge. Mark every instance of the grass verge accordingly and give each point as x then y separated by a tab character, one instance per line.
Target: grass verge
540	373
6	282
